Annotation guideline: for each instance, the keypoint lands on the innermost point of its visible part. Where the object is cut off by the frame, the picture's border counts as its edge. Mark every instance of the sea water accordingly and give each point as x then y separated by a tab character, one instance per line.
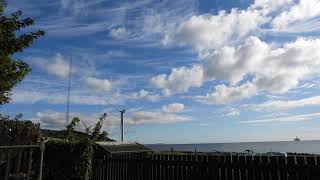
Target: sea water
310	147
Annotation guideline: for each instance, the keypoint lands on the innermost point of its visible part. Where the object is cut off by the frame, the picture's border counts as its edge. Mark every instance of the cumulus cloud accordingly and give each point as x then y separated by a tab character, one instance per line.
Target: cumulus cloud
288	104
272	69
231	64
225	95
275	70
174	107
119	33
303	11
56	66
98	84
232	55
207	32
179	80
143	94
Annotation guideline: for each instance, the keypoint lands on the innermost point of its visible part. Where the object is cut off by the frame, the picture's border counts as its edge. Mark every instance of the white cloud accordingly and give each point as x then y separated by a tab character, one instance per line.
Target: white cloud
285	105
225	95
179	80
290	118
231	64
207	32
262	66
57	120
60	97
51	119
98	84
303	11
232	112
272	69
275	69
268	6
57	66
31	97
143	94
174	107
147	117
119	33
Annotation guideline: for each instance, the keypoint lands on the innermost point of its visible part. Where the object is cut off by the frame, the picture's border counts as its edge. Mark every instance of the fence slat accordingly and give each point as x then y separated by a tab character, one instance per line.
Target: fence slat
194	167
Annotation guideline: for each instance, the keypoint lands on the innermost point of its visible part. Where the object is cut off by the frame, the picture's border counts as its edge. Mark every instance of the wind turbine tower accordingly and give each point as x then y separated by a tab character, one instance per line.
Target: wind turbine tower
121	123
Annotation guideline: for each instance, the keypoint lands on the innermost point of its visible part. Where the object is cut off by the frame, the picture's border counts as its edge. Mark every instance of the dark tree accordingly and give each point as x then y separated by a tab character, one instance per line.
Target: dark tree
12	40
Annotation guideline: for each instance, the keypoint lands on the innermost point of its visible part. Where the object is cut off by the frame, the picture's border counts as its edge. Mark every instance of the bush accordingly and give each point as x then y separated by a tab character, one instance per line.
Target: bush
17	131
71	156
67	160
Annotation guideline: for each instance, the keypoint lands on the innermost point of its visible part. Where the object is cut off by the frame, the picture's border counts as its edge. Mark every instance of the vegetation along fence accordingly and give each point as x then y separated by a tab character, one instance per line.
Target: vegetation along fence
203	167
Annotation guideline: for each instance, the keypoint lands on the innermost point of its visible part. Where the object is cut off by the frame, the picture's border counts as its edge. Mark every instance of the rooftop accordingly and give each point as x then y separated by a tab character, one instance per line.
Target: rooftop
123	147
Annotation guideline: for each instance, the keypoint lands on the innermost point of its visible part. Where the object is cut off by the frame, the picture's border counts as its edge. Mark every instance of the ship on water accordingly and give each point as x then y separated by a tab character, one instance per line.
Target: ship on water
297	139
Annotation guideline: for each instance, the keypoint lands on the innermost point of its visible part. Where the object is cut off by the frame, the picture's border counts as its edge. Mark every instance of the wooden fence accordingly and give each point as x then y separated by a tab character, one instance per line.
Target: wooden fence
206	167
19	160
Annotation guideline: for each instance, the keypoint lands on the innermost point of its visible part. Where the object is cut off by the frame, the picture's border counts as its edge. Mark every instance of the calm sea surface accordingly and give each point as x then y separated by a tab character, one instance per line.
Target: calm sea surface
312	147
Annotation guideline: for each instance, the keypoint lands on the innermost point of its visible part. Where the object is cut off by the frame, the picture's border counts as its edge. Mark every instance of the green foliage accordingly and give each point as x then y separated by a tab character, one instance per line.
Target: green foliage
71	128
96	130
11	42
17	131
71	156
66	160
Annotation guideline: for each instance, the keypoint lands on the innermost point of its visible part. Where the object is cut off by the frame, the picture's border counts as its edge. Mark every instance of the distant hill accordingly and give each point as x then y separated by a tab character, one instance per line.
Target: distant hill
59	134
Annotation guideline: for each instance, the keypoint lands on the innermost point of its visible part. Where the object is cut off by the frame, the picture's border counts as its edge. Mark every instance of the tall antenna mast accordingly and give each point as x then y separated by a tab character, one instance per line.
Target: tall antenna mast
69	88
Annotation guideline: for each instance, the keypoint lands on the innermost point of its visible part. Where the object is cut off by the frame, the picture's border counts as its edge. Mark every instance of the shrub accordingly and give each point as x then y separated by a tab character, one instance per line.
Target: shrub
67	160
70	157
17	131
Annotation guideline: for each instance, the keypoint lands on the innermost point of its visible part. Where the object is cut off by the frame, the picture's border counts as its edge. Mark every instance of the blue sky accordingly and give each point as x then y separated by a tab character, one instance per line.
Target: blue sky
189	71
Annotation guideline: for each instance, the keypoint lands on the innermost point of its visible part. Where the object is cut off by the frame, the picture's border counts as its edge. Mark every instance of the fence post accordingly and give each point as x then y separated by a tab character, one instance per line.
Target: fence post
42	147
18	161
8	166
29	164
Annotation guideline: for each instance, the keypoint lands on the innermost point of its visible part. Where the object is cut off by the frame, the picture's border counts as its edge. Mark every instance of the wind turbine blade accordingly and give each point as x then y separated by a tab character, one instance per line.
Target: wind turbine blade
84	124
115	108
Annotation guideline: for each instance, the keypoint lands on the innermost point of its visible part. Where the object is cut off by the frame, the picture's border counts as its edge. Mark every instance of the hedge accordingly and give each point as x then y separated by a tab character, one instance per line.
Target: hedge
67	160
15	131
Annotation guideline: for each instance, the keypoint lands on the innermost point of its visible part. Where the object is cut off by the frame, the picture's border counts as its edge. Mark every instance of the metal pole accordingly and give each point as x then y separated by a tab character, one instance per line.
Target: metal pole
122	126
69	88
42	147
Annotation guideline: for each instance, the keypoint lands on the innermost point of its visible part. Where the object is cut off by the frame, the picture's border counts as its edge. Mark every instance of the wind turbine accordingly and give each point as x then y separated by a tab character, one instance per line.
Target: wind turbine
122	111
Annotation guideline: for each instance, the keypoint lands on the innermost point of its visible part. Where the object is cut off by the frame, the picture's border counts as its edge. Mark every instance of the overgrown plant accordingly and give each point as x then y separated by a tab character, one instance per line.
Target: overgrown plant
77	150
